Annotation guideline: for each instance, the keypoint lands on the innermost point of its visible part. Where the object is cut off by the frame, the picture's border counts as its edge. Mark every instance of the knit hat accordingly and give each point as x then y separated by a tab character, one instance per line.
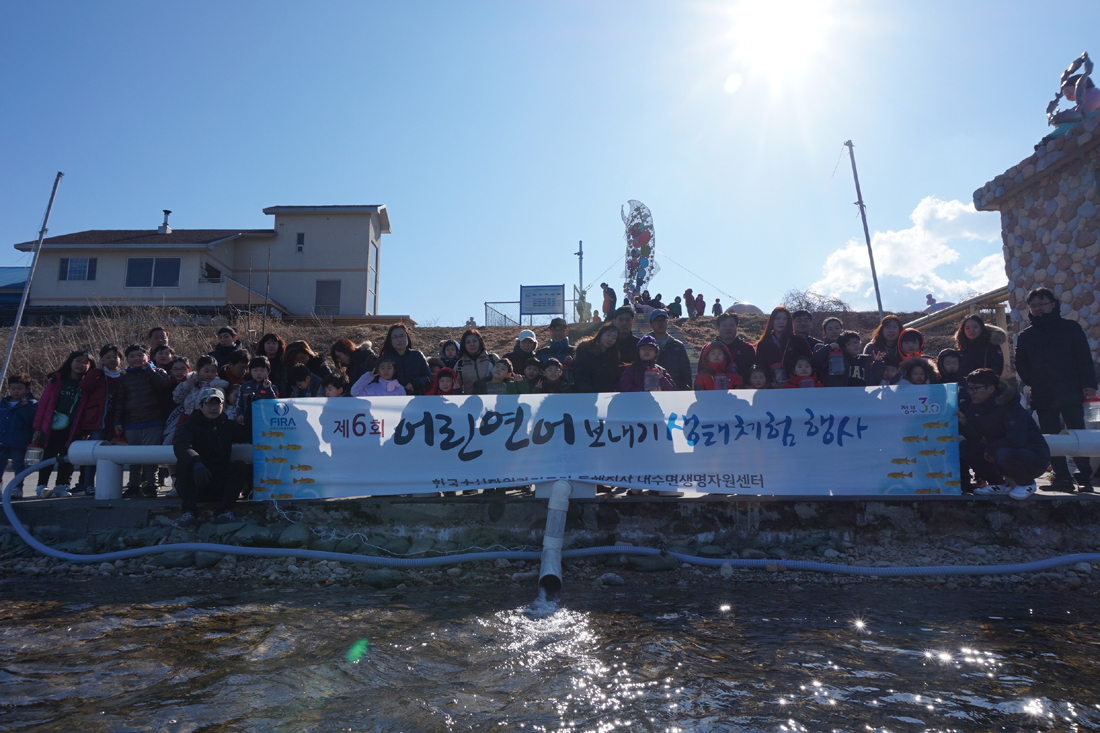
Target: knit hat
648	340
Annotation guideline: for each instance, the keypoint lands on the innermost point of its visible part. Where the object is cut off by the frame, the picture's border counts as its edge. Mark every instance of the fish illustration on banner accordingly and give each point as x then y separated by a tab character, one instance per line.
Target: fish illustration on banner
641	248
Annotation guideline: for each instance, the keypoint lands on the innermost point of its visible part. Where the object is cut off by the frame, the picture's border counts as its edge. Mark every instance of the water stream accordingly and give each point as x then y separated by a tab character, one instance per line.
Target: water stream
164	657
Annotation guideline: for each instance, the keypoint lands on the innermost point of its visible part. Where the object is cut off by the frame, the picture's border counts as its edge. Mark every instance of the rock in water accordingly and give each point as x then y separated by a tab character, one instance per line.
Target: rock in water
653	563
175	559
610	579
383	578
296	535
207	559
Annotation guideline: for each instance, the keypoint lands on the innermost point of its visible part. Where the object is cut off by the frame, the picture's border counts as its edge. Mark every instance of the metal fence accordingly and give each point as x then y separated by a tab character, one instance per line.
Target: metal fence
506	313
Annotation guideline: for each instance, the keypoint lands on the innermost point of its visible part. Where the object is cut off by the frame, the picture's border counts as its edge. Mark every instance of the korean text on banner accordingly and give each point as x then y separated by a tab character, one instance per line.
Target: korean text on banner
850	441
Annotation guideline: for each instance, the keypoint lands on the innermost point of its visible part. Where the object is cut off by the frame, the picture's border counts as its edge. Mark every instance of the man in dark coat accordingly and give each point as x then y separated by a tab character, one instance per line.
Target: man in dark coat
628	342
1000	442
1054	360
205	470
743	353
673	356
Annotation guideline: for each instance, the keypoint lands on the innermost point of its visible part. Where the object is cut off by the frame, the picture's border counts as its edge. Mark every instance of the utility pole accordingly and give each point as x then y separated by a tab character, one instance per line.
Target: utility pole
30	277
580	278
866	233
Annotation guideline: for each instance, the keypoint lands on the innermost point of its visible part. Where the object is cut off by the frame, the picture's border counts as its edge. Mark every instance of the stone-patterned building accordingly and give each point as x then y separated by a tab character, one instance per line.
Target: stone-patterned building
1051	226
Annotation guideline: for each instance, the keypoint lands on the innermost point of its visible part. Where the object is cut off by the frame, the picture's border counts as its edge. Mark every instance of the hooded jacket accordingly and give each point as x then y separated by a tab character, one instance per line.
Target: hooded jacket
633	377
97	397
444	372
708	371
1002	422
907	335
449	361
17	422
141	392
1053	358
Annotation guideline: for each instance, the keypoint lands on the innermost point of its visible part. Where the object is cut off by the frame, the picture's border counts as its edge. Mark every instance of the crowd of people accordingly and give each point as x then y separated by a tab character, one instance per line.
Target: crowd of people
691	305
147	394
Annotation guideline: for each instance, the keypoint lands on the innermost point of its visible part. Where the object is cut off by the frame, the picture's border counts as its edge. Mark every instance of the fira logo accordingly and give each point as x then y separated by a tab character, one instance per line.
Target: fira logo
281	409
282	422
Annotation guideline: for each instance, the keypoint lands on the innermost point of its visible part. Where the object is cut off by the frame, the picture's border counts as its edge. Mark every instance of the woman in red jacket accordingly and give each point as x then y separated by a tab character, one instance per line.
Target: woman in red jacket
778	343
53	421
92	419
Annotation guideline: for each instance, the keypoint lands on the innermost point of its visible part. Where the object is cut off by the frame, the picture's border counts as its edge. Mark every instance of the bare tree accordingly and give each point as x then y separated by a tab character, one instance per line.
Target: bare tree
813	302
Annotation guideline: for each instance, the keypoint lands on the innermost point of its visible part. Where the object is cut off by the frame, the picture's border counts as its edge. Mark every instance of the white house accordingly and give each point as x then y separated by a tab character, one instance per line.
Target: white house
324	262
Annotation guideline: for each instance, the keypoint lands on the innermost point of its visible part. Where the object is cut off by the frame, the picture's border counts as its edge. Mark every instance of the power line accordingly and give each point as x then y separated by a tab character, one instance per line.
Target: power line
601	275
723	292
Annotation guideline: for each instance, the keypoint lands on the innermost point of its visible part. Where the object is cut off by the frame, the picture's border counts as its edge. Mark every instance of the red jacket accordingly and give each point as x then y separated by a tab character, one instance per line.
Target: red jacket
633	378
708	371
96	389
802	382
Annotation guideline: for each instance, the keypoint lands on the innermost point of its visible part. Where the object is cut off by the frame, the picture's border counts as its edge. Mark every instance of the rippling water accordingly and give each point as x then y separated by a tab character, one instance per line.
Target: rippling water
708	658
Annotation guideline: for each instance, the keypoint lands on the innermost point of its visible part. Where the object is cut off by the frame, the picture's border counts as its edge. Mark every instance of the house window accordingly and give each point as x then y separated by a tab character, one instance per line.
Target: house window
152	272
327	299
77	268
301	241
211	273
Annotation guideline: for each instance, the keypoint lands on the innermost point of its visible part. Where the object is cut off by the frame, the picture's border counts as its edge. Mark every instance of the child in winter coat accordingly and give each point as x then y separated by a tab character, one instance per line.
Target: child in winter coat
448	353
16	426
335	385
301	382
634	375
499	381
759	378
910	343
552	381
532	374
716	369
186	394
259	387
235	370
382	383
802	373
856	363
918	371
444	383
232	396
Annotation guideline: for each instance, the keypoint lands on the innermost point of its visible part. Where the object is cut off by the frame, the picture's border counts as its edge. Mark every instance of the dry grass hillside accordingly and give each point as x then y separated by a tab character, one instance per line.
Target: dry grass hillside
40	350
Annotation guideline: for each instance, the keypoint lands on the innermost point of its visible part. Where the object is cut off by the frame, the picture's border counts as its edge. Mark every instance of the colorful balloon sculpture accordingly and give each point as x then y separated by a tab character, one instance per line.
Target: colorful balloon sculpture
640	248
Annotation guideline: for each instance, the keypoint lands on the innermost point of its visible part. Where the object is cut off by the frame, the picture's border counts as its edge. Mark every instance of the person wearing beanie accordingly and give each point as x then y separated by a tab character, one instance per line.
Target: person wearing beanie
633	378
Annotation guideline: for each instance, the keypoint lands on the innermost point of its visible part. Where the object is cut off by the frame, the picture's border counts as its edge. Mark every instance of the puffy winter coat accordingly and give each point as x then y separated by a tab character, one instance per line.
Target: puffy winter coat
221	353
140	400
1053	358
674	358
981	354
412	368
595	371
708	371
47	405
97	398
1002	422
17	423
633	378
774	351
472	369
208	441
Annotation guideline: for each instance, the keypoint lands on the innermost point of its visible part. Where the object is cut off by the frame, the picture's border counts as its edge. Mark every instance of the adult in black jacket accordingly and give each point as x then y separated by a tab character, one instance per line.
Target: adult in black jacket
1000	442
743	353
354	361
412	369
778	341
673	355
977	350
205	470
1053	359
227	344
627	343
597	366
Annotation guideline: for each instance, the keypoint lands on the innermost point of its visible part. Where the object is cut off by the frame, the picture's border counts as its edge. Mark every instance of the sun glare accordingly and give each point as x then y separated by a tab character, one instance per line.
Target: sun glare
778	40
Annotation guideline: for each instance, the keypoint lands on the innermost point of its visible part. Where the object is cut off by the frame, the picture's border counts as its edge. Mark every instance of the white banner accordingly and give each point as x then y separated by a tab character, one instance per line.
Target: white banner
840	441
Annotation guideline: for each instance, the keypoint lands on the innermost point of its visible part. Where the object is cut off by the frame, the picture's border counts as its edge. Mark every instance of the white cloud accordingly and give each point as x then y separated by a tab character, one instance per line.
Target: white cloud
926	258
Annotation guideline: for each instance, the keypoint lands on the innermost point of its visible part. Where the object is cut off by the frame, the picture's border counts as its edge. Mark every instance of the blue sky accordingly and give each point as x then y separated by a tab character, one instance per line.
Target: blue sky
499	134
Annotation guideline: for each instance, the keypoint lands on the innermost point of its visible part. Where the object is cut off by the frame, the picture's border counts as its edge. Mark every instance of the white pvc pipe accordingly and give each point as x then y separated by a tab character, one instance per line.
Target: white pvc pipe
109	458
552	537
1075	443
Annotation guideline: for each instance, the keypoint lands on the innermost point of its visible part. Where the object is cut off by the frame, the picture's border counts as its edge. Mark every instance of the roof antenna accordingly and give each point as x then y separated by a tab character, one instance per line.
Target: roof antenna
164	228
